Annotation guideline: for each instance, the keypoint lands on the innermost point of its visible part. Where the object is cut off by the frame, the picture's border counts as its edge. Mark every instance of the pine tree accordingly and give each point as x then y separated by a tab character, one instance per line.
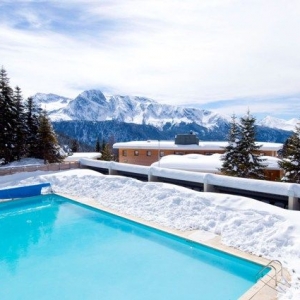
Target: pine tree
106	153
20	129
250	163
102	147
290	162
8	122
111	142
231	157
284	151
98	147
32	113
74	145
48	148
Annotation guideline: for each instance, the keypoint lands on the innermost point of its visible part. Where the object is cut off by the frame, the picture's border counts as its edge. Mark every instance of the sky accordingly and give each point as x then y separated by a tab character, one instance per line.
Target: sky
223	55
243	223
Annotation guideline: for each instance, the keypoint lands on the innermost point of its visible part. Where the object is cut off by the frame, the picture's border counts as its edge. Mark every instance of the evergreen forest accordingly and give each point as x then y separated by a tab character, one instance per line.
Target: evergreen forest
25	129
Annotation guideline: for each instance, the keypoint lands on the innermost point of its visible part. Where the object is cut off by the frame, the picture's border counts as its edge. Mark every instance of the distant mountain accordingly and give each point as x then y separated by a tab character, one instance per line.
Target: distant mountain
272	122
93	115
92	105
52	103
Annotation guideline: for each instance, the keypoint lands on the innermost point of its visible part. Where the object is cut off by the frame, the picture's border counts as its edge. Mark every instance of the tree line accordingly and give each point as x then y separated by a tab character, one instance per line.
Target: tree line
25	129
242	158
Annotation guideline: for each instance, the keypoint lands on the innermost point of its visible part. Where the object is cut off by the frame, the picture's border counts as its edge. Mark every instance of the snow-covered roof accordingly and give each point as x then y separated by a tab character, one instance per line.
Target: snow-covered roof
204	163
170	145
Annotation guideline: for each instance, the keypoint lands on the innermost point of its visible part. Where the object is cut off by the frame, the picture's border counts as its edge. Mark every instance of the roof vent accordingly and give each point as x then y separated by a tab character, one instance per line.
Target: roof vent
186	139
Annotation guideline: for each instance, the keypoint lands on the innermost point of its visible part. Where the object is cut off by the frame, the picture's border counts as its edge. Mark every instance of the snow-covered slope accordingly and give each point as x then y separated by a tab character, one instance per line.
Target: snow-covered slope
272	122
54	104
92	105
51	102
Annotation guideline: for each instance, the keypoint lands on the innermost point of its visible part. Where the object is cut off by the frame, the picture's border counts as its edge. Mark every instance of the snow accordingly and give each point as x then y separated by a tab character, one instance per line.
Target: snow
203	145
24	162
54	104
272	122
191	162
205	163
243	223
76	156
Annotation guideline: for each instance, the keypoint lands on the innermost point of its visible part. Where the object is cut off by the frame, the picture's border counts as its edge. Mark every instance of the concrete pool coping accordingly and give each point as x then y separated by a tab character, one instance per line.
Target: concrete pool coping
259	291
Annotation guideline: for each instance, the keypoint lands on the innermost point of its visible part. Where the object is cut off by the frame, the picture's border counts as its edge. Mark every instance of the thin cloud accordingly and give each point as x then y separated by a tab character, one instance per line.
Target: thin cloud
195	52
285	107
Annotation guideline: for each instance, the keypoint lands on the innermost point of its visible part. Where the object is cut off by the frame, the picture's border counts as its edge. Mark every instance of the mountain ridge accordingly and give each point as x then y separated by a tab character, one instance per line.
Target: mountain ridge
158	121
92	105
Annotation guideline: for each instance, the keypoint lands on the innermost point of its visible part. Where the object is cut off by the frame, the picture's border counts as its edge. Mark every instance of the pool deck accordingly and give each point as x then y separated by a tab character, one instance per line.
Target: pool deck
260	291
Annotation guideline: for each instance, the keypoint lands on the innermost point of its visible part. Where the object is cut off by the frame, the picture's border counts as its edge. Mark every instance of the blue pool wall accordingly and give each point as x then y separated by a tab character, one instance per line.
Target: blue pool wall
23	191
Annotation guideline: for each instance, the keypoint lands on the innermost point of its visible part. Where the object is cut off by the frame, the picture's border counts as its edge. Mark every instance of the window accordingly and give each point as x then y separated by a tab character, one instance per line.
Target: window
136	153
162	153
124	152
149	153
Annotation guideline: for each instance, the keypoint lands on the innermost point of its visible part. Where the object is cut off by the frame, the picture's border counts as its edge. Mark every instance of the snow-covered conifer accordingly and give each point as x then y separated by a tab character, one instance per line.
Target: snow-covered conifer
231	156
8	113
32	113
290	162
20	129
241	157
250	163
106	151
48	148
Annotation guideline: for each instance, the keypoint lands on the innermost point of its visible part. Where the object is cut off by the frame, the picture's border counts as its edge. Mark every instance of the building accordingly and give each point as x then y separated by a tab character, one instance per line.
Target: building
147	152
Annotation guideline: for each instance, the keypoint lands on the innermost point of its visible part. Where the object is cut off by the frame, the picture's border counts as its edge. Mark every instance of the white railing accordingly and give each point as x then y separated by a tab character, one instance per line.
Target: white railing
210	181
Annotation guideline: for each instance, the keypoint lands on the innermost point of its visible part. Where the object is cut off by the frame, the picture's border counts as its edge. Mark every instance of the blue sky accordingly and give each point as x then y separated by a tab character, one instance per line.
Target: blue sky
223	55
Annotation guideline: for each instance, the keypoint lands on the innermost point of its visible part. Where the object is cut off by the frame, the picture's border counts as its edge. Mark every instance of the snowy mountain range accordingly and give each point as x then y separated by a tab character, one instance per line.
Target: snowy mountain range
92	105
92	115
272	122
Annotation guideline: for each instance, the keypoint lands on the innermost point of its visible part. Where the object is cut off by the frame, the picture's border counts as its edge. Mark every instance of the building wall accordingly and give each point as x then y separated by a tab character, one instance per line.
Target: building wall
139	156
146	157
273	175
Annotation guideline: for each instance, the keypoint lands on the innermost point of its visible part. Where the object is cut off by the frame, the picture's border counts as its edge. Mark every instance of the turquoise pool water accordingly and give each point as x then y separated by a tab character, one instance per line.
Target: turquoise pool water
53	248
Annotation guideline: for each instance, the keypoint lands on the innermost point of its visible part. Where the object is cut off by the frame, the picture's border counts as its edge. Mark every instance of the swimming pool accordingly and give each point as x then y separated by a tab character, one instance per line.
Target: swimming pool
54	248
